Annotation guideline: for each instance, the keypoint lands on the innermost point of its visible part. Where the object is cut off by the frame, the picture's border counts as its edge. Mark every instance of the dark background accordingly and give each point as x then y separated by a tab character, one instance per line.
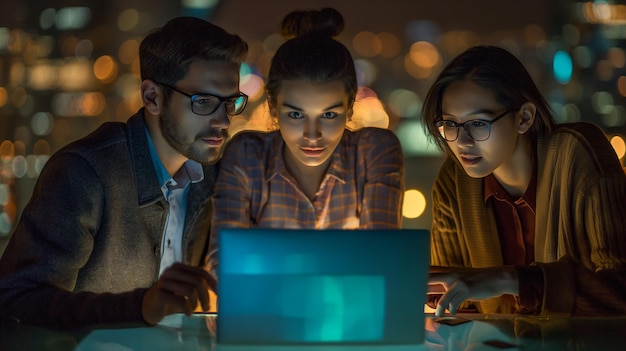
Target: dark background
57	85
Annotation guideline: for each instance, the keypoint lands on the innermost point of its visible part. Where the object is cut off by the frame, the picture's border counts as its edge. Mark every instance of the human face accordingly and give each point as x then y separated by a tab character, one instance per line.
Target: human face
463	101
312	118
197	137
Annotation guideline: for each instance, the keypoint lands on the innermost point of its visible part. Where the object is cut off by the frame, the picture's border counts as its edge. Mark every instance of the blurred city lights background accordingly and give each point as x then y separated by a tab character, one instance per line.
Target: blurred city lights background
65	69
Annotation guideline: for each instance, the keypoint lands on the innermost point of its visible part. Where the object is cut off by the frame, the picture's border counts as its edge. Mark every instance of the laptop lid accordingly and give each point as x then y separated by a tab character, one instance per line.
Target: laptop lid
284	286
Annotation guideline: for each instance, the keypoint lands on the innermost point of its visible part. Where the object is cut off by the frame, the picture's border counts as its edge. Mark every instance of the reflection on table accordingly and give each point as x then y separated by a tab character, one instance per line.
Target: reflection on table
482	332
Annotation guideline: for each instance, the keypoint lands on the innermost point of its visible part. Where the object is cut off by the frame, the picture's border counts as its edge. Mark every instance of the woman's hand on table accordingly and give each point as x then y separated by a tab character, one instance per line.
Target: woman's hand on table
459	284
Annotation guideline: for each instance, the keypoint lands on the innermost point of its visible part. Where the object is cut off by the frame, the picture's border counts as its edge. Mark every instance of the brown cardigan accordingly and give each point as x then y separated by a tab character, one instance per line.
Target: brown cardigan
580	241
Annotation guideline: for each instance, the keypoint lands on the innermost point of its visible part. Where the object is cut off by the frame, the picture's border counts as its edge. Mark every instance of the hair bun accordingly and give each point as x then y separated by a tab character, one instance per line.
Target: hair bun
325	22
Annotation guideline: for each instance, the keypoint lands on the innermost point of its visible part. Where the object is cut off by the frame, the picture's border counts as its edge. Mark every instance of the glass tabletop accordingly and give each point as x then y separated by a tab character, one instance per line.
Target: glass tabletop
197	332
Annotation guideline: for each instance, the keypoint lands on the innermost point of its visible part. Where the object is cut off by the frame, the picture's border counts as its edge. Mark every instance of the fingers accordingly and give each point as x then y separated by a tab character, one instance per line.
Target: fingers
451	300
454	288
180	289
191	282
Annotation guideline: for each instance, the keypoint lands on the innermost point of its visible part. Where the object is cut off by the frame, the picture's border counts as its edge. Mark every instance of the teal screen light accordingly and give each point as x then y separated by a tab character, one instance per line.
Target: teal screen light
322	287
562	67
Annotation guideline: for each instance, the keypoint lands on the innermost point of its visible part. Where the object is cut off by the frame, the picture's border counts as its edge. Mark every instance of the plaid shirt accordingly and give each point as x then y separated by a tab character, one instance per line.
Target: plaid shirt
363	187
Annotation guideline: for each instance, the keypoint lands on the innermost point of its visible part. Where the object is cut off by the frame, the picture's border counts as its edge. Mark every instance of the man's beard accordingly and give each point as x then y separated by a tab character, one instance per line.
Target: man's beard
178	140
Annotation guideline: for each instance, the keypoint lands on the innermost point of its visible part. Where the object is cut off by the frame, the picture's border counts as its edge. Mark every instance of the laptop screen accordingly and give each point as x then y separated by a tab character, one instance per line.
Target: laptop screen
281	286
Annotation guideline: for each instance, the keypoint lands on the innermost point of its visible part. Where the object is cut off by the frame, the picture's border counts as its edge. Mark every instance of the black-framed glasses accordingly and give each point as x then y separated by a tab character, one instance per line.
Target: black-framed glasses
205	104
477	129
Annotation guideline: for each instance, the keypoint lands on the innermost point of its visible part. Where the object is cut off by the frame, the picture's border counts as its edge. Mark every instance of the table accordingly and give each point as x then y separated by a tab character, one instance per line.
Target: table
196	333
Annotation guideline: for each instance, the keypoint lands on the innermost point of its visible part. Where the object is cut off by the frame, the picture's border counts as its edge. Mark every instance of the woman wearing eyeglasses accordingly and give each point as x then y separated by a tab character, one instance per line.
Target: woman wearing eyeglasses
528	216
312	172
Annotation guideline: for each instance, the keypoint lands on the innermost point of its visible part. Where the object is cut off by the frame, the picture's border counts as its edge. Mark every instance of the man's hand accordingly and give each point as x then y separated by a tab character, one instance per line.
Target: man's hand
179	290
461	284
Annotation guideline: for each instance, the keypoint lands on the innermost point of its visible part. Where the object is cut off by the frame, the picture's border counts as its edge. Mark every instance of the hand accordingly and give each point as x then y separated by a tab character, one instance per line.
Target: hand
179	290
460	284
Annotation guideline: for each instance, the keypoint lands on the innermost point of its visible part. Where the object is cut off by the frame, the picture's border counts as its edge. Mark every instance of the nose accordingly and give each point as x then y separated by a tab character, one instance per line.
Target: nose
312	130
220	119
464	138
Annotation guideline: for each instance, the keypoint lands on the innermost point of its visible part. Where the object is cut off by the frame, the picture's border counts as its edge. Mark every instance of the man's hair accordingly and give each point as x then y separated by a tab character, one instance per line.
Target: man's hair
166	53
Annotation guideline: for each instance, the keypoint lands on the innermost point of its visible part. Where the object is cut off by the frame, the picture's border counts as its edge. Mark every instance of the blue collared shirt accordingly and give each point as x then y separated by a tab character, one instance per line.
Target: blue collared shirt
175	190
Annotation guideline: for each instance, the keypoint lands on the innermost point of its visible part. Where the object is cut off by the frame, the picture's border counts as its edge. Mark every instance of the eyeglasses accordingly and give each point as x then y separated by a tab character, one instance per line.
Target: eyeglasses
477	129
205	104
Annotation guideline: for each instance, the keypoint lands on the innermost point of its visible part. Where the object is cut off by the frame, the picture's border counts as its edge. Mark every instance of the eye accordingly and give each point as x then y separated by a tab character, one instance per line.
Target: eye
295	115
445	124
477	123
204	100
330	115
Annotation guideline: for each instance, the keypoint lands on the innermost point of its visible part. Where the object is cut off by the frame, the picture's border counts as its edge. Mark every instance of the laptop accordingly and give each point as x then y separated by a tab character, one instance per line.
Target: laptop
322	287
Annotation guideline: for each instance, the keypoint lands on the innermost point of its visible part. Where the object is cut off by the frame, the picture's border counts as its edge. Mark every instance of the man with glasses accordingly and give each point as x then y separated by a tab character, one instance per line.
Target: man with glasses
119	221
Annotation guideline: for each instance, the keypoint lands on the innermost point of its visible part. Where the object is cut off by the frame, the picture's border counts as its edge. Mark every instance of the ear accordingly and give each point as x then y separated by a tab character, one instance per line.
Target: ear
527	117
152	96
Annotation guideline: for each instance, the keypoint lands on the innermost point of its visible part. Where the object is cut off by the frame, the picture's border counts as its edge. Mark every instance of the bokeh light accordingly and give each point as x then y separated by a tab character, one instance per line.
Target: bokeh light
128	51
534	34
19	166
43	76
105	69
616	57
252	86
616	118
272	43
562	66
367	44
72	18
4	96
391	45
618	145
83	48
368	111
414	203
7	151
47	18
404	103
42	123
128	20
4	194
75	74
19	96
621	87
5	223
4	37
365	71
200	4
424	54
414	140
604	70
41	147
92	103
602	102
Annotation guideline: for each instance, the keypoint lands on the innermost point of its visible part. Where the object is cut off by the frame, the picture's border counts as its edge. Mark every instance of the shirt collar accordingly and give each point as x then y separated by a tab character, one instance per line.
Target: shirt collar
190	172
276	164
494	189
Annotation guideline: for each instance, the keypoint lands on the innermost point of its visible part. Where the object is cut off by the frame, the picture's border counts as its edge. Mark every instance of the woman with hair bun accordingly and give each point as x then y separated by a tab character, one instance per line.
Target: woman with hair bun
311	173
